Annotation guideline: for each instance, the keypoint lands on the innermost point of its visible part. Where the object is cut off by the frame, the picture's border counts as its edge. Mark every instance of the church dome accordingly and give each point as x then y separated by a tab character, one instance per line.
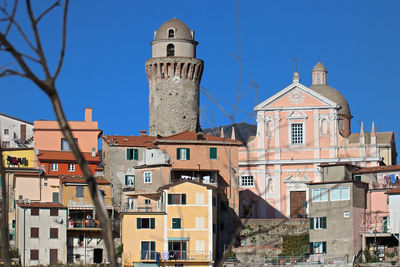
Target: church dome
181	31
333	95
319	67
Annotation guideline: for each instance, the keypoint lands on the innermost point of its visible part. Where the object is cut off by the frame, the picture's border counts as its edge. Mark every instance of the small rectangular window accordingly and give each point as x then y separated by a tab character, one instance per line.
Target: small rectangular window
34	212
318	223
6	131
247	181
54	167
147	177
130	180
357	178
176	223
65	145
54	212
79	191
176	199
54	233
297	133
319	194
340	193
213	153
132	154
71	167
183	154
34	232
34	254
145	223
55	197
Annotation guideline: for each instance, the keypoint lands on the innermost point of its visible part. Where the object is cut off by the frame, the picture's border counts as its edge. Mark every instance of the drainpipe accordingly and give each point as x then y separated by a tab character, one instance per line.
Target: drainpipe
84	241
24	237
230	175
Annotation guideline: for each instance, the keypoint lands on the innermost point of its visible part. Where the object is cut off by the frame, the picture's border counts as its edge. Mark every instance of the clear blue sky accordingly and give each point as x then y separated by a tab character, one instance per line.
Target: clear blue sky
108	43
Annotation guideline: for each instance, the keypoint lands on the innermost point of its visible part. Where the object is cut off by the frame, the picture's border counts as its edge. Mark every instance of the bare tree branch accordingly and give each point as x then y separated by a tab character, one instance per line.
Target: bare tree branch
8	72
5	247
12	17
47	11
64	34
39	48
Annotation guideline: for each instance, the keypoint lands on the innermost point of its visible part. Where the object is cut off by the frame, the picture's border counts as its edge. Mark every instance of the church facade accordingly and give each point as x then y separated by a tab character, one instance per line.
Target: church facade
299	129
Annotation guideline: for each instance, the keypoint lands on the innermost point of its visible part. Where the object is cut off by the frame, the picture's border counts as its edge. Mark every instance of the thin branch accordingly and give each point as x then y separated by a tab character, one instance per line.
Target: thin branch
5	247
11	18
8	72
39	48
64	34
47	11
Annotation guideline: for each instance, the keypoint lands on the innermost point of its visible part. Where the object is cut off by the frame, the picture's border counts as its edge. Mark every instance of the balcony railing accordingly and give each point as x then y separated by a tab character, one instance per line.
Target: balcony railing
175	255
80	224
143	207
385	185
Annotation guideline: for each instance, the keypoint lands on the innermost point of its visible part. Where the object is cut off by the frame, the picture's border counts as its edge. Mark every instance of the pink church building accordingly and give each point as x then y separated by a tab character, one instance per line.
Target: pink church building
298	129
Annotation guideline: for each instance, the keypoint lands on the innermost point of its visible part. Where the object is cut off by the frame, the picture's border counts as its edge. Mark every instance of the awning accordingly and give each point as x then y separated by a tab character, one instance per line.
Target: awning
178	238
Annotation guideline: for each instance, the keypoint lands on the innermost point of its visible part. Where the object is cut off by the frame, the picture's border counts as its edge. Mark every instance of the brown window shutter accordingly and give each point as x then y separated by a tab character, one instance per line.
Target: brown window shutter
53	232
53	212
34	212
34	254
23	131
34	232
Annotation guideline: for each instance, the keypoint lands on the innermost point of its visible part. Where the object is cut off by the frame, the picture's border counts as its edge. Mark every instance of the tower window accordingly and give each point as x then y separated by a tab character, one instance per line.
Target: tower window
170	50
171	33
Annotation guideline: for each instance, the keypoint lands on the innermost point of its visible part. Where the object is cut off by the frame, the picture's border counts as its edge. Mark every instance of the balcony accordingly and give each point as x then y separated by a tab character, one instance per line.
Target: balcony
202	176
385	185
140	207
83	225
176	256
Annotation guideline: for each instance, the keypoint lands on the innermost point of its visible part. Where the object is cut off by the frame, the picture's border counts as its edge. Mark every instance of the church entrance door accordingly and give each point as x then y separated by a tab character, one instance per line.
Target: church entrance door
297	204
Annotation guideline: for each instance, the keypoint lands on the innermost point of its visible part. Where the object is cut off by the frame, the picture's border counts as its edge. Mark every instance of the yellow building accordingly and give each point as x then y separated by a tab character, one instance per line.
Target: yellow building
18	157
174	227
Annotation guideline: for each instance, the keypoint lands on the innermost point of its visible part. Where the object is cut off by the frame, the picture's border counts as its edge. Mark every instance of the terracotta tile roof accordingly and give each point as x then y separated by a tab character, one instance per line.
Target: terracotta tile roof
68	156
393	191
130	141
378	169
381	137
81	179
42	205
192	136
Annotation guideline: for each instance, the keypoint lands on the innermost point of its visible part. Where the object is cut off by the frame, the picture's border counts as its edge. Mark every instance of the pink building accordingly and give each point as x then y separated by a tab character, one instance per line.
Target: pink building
299	128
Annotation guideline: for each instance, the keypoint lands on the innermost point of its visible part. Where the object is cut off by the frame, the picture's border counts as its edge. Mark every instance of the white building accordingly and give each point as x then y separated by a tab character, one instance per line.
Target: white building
41	233
394	211
15	132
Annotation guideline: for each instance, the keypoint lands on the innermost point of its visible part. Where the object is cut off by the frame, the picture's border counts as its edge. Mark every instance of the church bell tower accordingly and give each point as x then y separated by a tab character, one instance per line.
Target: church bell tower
174	75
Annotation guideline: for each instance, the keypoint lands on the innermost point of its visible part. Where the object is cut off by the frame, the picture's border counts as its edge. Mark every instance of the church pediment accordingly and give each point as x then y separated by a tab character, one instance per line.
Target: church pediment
297	114
293	96
298	179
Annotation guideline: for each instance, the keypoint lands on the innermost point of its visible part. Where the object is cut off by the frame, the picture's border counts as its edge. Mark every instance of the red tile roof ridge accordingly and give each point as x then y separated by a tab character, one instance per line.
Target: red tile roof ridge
130	140
393	191
59	155
41	205
193	136
81	179
378	169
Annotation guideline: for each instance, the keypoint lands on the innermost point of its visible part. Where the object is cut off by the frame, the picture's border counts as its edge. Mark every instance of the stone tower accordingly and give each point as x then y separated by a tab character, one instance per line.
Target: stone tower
174	75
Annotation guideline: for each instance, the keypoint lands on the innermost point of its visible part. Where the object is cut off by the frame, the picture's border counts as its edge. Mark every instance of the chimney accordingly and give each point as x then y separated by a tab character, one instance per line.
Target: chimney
93	152
200	136
222	132
143	133
88	114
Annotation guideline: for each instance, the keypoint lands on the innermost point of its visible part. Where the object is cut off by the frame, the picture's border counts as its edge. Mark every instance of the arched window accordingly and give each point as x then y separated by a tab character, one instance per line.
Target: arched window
171	33
170	50
269	129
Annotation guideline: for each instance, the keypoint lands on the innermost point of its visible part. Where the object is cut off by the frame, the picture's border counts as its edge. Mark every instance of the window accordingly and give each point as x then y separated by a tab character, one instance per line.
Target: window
6	131
132	154
200	245
5	144
54	167
246	181
147	177
199	198
79	191
55	197
176	223
176	199
183	153
131	203
357	178
213	153
45	184
13	223
64	144
199	222
340	193
318	223
171	33
346	214
147	201
34	212
130	180
146	223
34	232
297	133
318	247
53	212
170	50
148	250
319	194
54	233
71	167
34	254
177	250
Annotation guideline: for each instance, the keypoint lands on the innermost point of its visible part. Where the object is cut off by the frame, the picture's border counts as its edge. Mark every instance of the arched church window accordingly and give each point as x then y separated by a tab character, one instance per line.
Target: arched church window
324	127
171	33
170	50
340	124
270	129
270	186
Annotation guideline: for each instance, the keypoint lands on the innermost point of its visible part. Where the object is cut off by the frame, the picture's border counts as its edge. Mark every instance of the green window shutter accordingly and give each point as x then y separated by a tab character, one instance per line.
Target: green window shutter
183	246
136	154
183	199
323	222
213	153
178	223
187	153
170	248
324	247
129	154
178	153
152	223
169	199
311	223
126	179
153	246
139	223
311	248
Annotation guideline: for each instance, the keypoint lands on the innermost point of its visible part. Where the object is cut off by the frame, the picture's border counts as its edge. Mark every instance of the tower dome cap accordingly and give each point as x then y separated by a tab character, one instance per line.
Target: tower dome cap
181	30
319	67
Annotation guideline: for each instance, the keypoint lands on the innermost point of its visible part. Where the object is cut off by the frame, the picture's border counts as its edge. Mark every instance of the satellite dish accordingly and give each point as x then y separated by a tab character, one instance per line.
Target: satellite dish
36	151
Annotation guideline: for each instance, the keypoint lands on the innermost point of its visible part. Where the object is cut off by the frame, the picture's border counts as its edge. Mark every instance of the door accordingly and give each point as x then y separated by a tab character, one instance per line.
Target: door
53	256
97	255
298	204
